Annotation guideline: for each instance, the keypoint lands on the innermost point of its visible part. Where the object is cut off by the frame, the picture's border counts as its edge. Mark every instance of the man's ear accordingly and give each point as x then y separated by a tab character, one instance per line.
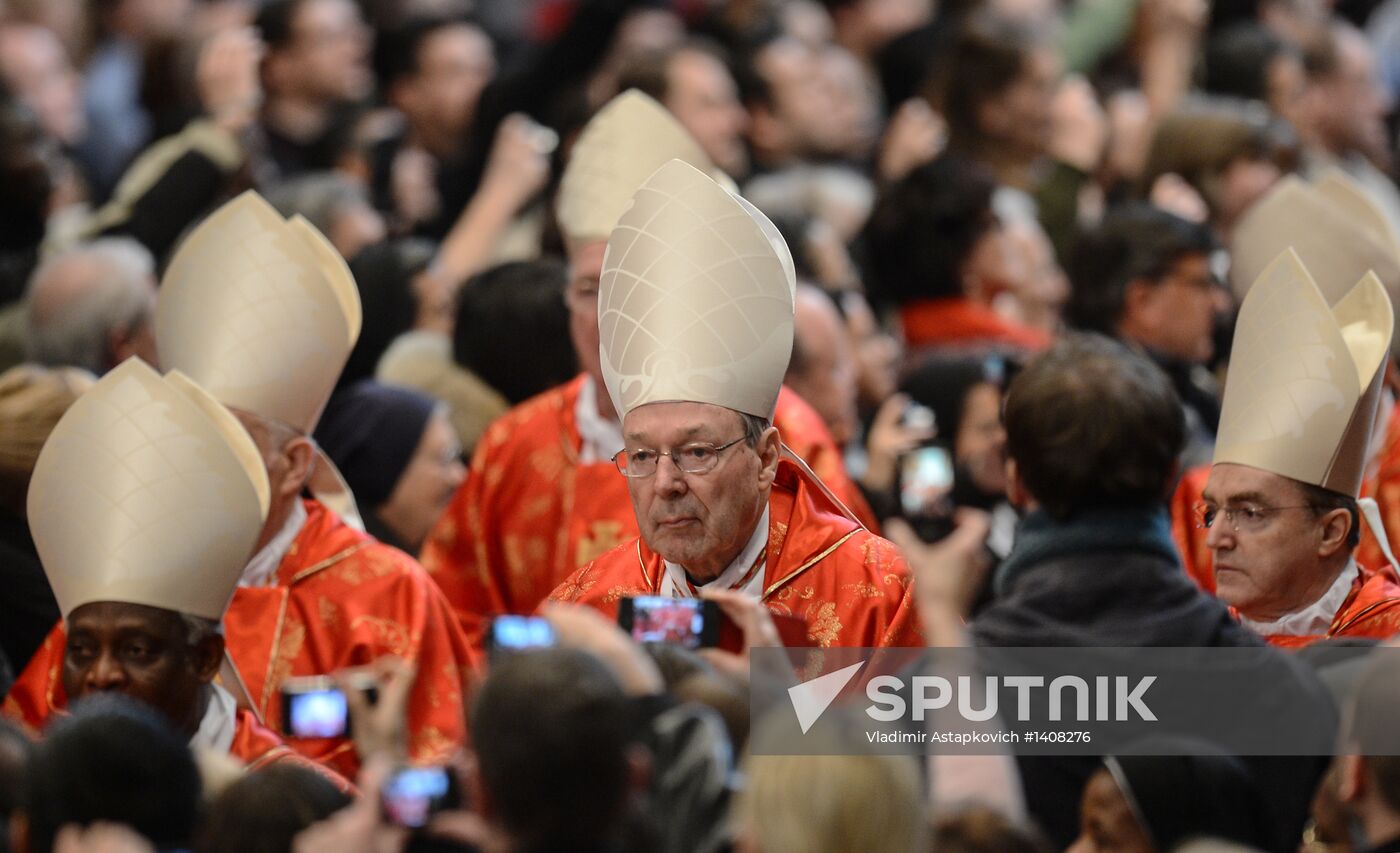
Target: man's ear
1016	491
1335	526
478	797
770	448
301	457
207	657
1351	778
639	770
1137	300
19	831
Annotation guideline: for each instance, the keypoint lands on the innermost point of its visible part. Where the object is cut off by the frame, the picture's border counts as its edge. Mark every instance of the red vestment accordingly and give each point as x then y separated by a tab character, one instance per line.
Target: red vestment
1371	609
848	585
530	512
960	321
1383	484
254	745
341	599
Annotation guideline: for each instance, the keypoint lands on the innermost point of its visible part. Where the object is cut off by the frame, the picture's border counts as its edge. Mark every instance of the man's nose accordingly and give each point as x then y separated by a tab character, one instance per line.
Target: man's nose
106	673
670	479
1220	535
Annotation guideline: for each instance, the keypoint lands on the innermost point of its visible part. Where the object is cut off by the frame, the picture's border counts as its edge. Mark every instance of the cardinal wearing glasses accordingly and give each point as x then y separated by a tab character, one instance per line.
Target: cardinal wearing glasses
1280	509
695	314
1339	235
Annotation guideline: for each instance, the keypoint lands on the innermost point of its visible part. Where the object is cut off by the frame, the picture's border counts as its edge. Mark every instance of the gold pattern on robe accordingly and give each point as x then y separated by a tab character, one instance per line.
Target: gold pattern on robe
536	507
288	648
549	462
329	614
822	624
432	746
864	589
618	593
495	475
392	635
522	552
573	590
603	536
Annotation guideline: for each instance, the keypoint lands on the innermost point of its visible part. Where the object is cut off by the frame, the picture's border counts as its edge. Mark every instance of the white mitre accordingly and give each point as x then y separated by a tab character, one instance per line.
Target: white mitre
630	138
1305	377
695	299
148	491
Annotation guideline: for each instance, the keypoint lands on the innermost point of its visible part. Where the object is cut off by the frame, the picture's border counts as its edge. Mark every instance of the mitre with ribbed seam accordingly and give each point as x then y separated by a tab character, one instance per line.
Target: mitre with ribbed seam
1336	230
696	298
148	491
629	139
1305	376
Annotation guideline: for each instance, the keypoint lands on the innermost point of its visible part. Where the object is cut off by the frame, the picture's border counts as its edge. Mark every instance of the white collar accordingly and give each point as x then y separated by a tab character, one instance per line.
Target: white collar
675	585
262	569
216	730
602	438
1317	617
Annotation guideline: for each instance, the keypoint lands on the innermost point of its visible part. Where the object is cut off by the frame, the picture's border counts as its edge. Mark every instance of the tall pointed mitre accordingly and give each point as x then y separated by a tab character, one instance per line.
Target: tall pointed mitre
629	139
147	492
695	301
260	311
1336	230
1305	377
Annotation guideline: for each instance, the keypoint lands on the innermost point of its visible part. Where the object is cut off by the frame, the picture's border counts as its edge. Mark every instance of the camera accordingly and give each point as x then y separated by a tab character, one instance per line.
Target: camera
412	795
314	707
690	622
511	633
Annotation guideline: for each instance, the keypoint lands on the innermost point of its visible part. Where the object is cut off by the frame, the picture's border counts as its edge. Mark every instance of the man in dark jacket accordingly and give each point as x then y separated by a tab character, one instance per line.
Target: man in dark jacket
1093	434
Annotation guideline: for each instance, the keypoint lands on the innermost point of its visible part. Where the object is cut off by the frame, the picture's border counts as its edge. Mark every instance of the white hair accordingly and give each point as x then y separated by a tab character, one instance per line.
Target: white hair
77	298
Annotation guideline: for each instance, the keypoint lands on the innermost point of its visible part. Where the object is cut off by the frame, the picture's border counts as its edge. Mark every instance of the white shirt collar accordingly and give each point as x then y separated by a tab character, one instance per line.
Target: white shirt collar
216	730
262	569
1317	617
602	438
675	585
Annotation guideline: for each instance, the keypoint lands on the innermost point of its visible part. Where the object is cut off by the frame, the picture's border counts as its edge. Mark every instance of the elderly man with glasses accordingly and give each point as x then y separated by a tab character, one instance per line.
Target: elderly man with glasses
695	316
1280	505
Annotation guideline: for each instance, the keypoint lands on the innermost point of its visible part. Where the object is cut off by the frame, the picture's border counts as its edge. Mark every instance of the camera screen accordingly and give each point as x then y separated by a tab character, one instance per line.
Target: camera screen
318	713
411	796
657	619
522	632
926	475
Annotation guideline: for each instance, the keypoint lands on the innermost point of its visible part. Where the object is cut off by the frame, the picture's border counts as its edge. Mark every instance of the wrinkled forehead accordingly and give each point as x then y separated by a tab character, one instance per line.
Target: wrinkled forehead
106	616
674	422
1232	483
586	261
268	434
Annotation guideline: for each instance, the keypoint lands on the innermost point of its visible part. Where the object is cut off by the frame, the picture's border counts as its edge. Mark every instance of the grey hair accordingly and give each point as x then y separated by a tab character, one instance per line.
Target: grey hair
197	628
318	196
78	297
754	428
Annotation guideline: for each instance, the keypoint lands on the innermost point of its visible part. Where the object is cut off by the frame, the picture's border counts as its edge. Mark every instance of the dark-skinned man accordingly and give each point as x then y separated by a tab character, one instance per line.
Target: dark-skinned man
145	502
263	313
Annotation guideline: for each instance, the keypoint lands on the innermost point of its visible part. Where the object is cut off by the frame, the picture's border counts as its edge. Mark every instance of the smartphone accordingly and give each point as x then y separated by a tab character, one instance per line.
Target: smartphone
514	633
690	622
412	795
314	707
926	482
926	478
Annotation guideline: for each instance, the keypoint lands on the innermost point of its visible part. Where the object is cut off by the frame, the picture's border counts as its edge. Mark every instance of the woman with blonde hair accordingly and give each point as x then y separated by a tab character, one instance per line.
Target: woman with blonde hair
831	803
32	399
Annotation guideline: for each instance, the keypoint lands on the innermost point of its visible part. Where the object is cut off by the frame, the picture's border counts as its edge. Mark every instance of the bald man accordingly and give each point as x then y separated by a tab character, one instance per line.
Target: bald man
823	369
91	307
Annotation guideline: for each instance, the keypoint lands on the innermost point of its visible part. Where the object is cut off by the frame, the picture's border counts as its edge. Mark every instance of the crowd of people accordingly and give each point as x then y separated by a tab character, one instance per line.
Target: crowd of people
387	359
